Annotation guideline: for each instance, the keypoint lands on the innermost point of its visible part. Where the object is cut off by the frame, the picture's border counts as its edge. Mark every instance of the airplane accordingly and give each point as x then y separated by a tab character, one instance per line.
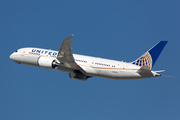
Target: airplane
81	67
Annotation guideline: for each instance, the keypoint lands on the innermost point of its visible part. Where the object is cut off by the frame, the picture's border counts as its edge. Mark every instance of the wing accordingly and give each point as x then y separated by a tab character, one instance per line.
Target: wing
65	55
65	52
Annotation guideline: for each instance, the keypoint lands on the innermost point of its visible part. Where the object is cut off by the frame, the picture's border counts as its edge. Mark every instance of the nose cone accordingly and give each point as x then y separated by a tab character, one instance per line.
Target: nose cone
11	56
15	58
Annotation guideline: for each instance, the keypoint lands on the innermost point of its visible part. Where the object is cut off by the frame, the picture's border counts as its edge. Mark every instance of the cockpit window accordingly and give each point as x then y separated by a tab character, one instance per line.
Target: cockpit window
16	50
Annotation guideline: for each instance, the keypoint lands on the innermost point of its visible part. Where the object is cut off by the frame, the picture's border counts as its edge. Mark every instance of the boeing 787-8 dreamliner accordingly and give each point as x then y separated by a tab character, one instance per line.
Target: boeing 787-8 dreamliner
82	67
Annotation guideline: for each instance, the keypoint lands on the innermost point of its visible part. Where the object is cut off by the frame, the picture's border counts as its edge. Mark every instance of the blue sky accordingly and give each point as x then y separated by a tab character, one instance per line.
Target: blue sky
114	29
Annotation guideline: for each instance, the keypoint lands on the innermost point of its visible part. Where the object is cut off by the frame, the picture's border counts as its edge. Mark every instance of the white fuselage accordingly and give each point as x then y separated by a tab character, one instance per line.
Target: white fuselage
93	66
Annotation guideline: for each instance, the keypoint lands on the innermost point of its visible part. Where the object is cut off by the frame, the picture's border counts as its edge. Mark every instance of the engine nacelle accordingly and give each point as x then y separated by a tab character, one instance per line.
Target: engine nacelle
78	76
47	62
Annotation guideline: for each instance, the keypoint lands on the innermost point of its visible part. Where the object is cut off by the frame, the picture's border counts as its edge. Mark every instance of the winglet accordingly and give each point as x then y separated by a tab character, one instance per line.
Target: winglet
149	58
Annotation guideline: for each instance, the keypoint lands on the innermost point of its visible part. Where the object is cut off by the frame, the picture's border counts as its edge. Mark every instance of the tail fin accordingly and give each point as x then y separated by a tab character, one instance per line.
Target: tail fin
149	58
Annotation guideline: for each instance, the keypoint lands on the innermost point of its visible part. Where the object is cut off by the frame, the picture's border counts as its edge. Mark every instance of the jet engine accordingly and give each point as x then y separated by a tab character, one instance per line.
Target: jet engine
78	75
47	62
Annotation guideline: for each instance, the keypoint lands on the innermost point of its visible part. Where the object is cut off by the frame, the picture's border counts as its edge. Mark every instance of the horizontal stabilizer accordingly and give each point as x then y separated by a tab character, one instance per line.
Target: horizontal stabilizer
160	71
144	69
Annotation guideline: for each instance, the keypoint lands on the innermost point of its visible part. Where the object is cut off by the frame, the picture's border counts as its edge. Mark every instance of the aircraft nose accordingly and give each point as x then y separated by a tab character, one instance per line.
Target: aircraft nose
11	56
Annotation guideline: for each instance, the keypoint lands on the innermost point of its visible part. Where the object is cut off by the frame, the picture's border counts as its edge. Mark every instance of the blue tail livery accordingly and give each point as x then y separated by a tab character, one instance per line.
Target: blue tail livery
149	58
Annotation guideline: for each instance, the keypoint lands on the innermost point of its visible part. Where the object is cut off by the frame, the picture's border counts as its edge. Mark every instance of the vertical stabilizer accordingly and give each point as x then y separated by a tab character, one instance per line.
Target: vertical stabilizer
149	58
